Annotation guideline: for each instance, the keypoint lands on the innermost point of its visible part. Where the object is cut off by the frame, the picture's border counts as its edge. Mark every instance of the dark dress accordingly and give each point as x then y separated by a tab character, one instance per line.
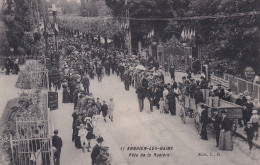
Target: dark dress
104	109
225	142
90	134
76	125
204	122
65	95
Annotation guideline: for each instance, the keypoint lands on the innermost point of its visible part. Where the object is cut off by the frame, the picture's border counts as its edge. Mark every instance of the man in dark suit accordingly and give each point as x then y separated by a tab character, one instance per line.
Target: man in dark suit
216	124
239	101
220	92
204	121
96	150
140	95
198	96
171	101
104	110
57	143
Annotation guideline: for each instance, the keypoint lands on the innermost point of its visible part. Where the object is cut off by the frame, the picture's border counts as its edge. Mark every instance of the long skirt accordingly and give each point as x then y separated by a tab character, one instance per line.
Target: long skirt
65	96
77	142
225	141
110	112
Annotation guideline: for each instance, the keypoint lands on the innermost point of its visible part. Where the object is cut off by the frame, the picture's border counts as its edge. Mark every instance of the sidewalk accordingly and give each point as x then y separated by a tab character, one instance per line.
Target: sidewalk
8	91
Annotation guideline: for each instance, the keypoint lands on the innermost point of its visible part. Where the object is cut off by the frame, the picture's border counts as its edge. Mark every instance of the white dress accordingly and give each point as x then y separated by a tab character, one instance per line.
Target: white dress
110	108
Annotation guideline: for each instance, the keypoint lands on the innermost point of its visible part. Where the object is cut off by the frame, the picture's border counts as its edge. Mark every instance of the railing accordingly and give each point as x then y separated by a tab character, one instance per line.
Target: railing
239	85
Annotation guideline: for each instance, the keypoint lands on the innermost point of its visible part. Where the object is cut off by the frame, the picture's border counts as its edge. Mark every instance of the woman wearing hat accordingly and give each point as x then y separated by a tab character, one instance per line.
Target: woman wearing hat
90	129
255	122
225	140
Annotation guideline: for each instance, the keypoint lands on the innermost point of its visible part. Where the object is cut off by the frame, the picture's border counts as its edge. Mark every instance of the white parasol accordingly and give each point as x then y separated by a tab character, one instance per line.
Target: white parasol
140	67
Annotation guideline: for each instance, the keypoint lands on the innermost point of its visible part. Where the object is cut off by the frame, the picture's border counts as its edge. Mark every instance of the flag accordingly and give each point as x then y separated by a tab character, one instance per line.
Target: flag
182	34
56	27
152	33
189	33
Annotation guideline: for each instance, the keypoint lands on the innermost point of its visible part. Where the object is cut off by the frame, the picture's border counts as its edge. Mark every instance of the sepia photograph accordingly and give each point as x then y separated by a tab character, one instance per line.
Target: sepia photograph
129	82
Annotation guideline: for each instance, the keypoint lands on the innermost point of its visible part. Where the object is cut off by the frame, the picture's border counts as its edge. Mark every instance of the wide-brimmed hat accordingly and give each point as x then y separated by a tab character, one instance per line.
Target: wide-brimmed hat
240	94
100	139
249	122
254	111
87	118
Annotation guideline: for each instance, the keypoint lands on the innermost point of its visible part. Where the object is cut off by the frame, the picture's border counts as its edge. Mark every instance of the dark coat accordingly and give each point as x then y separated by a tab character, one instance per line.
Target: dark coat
220	93
145	83
225	124
198	95
141	93
249	132
204	117
85	81
171	97
249	107
217	122
239	101
57	142
95	153
174	85
104	109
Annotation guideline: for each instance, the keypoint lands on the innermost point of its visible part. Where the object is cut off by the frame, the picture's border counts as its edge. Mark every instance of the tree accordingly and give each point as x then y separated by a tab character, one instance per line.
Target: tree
19	20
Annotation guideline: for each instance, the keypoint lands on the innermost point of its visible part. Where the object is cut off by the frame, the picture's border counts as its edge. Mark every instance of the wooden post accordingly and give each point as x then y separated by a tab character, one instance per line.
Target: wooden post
12	149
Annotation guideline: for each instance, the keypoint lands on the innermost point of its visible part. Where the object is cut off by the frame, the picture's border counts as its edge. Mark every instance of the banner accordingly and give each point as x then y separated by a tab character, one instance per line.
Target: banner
53	100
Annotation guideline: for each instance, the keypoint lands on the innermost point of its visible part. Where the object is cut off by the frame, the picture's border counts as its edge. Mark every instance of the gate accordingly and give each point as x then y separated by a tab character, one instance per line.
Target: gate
33	143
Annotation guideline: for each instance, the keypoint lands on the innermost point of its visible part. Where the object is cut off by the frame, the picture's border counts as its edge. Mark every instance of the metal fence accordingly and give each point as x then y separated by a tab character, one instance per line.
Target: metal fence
238	85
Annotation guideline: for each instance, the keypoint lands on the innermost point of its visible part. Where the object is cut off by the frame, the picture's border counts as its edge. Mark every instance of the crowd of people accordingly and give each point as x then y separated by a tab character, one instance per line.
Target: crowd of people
81	62
11	66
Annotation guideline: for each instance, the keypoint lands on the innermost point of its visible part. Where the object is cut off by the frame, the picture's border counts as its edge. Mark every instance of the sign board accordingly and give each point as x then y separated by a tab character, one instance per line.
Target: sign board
53	100
233	113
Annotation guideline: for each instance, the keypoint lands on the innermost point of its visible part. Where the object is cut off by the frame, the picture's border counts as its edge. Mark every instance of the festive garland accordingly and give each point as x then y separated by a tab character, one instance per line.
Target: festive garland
103	26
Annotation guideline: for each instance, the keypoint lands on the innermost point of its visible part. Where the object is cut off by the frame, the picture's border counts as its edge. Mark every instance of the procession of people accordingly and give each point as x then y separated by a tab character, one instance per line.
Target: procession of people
81	63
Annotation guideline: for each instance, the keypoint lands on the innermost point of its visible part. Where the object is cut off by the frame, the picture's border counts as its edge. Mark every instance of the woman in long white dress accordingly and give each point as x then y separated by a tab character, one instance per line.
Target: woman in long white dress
111	107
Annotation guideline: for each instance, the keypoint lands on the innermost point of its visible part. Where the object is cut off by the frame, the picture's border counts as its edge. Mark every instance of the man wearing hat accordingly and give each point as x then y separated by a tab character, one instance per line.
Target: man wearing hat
216	124
220	92
57	143
249	131
96	150
204	121
198	96
248	108
239	101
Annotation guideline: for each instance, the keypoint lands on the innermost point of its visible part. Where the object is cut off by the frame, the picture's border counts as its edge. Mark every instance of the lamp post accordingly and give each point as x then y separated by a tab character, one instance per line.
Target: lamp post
54	12
129	35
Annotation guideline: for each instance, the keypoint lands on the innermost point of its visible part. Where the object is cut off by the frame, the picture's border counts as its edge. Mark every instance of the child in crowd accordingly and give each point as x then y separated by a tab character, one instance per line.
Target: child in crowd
82	134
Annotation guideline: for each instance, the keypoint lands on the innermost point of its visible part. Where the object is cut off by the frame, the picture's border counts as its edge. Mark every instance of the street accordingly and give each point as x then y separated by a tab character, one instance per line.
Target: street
132	128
